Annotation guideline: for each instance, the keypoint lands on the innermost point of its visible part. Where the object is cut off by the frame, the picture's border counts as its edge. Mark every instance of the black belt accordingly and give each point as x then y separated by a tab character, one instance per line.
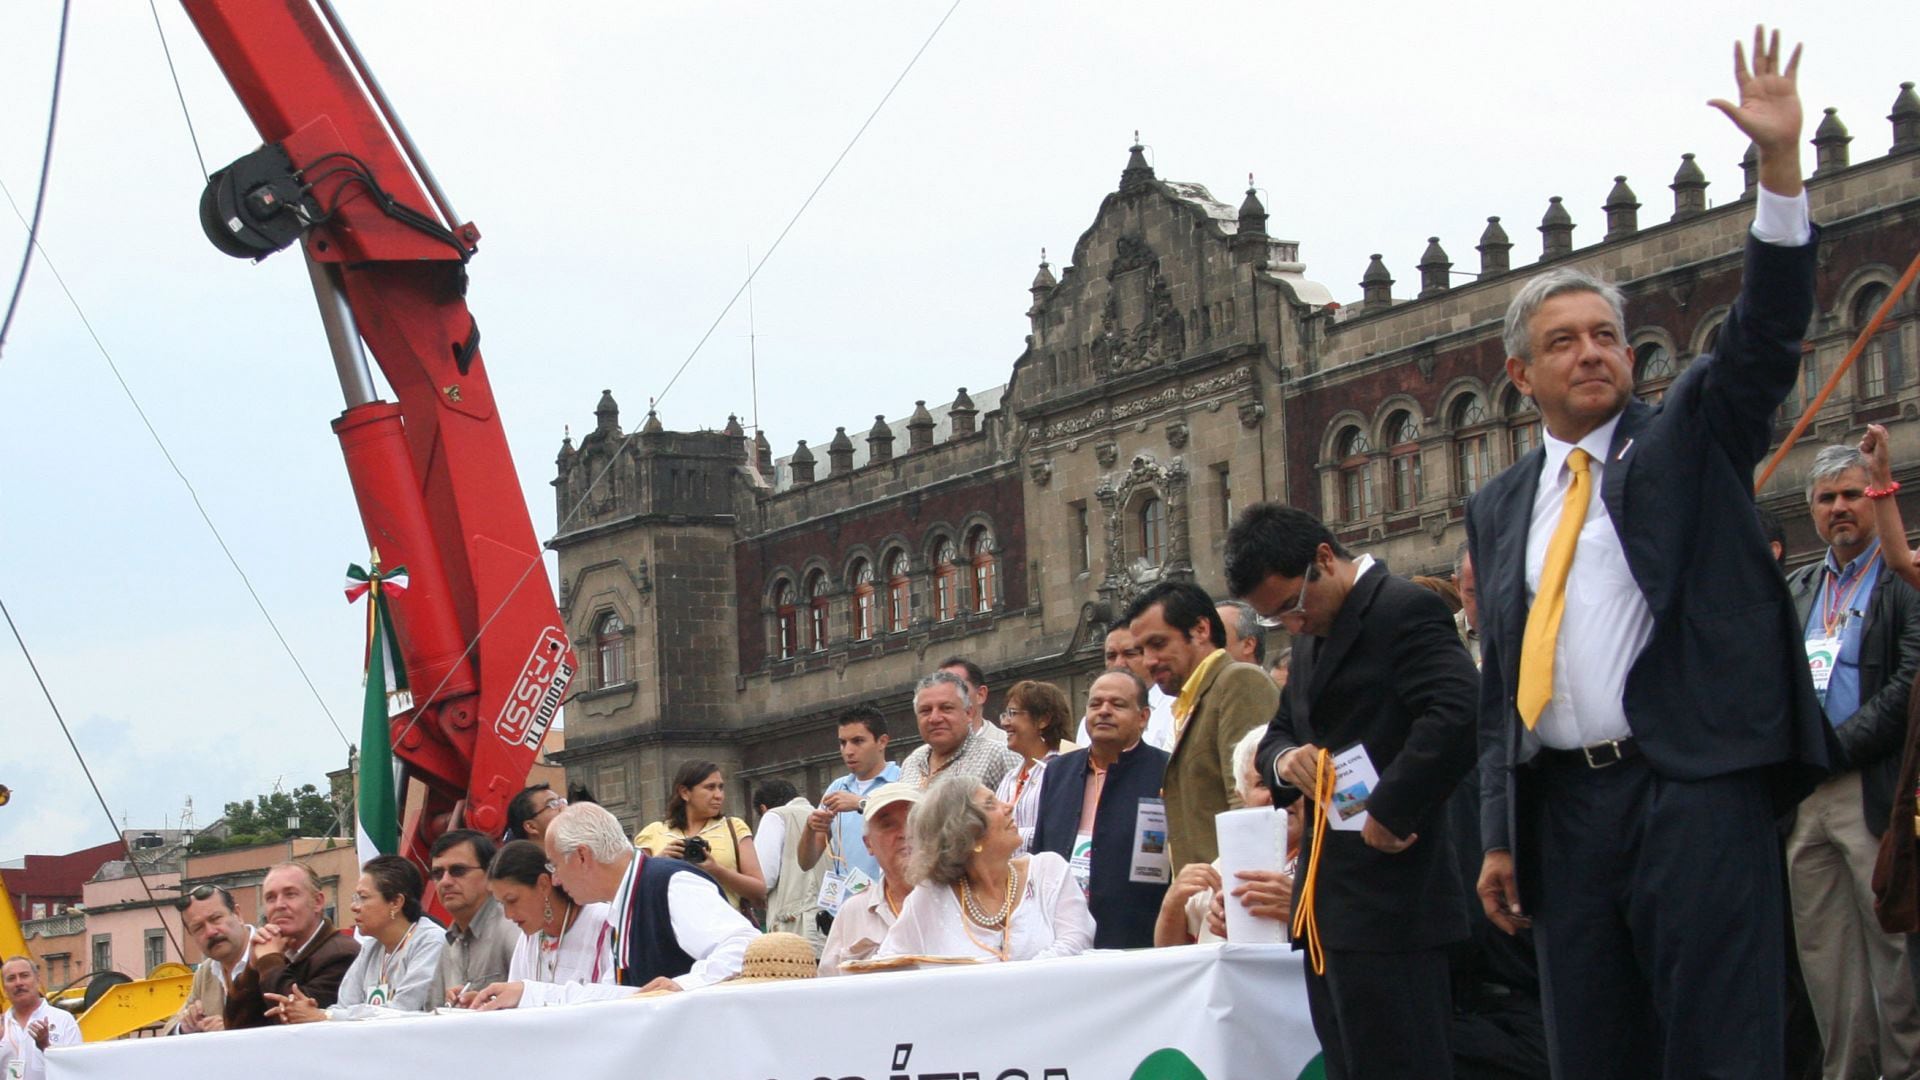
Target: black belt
1597	756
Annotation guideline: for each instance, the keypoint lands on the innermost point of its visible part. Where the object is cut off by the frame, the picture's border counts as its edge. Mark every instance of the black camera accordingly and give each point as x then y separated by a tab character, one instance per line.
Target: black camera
695	850
824	920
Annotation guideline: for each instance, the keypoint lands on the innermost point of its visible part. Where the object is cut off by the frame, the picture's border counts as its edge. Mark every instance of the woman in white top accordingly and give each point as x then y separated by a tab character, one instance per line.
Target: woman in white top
1038	722
562	941
399	950
974	897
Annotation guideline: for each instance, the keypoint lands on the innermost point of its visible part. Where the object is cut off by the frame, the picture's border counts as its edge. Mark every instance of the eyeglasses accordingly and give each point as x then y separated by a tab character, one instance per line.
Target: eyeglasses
1299	608
439	872
556	803
1009	713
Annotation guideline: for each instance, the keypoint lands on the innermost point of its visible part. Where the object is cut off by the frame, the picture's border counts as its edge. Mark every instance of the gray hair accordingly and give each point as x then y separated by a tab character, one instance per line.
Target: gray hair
942	829
1246	624
1243	752
591	826
1832	461
1541	288
944	678
1460	557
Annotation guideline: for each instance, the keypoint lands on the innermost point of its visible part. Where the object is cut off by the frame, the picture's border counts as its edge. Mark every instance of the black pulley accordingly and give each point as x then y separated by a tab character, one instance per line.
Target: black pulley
255	206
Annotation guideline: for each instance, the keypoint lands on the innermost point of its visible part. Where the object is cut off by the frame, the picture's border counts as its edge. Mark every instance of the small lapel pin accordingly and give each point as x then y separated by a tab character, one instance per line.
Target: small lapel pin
1624	447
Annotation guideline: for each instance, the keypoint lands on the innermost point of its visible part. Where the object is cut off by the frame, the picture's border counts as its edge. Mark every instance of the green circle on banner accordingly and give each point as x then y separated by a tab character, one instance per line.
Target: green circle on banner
1171	1064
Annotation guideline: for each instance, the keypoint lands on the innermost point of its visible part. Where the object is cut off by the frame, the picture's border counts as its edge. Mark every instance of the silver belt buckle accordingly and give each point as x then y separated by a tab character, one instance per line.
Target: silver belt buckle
1610	744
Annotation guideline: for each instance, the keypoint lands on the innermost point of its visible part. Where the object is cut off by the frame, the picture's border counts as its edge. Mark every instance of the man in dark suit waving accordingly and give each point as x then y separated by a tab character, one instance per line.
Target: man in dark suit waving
1379	672
1645	706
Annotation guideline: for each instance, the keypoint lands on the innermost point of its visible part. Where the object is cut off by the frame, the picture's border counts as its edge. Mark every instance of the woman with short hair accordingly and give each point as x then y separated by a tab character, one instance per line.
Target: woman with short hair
399	950
1039	725
976	896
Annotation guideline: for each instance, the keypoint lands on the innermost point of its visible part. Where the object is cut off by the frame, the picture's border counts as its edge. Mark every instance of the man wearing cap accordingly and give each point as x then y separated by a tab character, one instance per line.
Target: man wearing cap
866	917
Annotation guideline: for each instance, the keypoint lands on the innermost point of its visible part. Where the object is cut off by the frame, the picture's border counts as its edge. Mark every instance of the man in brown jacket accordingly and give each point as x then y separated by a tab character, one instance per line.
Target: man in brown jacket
1216	702
297	945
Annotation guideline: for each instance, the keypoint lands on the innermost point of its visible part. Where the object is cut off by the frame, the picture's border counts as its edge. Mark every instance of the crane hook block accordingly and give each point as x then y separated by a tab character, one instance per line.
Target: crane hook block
257	205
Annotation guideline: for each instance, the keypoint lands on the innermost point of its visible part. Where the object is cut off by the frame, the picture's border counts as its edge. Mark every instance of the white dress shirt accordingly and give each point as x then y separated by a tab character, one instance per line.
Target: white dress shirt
16	1043
1607	621
770	843
706	927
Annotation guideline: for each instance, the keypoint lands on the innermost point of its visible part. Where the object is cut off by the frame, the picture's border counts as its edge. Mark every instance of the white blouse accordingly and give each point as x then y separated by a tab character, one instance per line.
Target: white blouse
1050	919
584	955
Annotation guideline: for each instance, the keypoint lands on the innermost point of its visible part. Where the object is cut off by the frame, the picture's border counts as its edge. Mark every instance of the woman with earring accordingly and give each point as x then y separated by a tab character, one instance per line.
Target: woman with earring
565	941
697	830
399	951
975	898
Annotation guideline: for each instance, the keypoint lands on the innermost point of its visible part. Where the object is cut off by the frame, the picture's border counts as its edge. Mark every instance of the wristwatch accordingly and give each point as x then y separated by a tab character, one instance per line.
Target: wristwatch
862	808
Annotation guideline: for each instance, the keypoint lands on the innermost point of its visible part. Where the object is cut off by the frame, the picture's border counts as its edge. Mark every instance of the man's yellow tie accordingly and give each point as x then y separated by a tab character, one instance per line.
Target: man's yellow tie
1550	603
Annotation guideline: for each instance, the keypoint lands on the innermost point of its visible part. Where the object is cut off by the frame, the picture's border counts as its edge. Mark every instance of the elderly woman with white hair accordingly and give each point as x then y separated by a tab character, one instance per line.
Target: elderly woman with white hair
975	899
1193	910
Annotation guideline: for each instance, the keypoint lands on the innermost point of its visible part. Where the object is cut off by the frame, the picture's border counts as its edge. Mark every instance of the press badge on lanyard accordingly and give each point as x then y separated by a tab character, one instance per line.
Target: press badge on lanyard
1823	653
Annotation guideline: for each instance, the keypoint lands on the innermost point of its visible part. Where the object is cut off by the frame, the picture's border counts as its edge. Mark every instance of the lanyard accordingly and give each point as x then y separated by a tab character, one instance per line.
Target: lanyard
623	913
1834	606
395	951
566	922
835	845
1020	782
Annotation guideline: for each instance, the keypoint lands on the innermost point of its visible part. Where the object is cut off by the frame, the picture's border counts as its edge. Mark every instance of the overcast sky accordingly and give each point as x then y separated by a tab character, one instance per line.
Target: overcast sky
623	162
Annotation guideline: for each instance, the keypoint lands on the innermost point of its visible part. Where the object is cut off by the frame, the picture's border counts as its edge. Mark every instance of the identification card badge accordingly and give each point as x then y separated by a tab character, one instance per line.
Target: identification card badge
838	886
1822	654
16	1069
1354	779
379	994
1082	862
1150	862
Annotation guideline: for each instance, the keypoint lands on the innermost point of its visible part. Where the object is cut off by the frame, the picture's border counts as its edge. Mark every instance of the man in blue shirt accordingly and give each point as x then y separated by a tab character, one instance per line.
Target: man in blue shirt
836	828
1863	647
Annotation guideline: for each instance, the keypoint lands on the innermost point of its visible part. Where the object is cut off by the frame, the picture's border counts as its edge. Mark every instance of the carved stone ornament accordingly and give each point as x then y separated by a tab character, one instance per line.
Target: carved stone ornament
1177	434
1041	471
1106	454
1250	413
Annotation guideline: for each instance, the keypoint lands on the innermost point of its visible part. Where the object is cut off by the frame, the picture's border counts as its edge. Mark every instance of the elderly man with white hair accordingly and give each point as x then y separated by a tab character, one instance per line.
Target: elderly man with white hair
671	926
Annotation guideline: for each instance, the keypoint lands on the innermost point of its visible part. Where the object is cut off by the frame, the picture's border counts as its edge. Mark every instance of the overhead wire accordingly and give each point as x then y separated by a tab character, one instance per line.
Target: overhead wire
178	92
192	492
614	458
46	167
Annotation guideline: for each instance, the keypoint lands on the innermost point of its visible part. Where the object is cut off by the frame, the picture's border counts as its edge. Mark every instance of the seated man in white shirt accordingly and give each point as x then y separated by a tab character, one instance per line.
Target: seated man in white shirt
671	926
866	916
32	1024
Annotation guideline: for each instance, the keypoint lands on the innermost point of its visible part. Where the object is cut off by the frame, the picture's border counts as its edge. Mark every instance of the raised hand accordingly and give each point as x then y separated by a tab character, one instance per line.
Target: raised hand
1874	445
1769	111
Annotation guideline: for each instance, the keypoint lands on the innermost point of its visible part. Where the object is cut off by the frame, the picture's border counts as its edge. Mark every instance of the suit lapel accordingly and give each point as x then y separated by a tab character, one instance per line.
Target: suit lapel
1199	703
1510	552
1346	628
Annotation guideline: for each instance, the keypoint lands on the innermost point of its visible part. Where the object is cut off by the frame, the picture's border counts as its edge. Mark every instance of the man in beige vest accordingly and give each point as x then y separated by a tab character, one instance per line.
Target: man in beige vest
208	915
793	892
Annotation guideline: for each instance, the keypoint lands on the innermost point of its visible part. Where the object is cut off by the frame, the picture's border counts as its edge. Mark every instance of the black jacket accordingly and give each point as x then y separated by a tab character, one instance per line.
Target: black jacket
1722	686
1870	739
1123	911
1393	675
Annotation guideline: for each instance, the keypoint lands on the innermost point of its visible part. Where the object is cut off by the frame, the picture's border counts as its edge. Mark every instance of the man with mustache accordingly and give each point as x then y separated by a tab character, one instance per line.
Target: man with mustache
1863	647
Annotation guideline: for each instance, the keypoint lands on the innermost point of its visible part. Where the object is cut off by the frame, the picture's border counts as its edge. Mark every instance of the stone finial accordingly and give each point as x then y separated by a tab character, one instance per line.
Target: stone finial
1253	213
653	426
1623	210
1376	286
1689	189
607	413
566	448
962	412
1138	174
1493	248
879	441
1043	281
733	427
1556	230
802	464
1750	171
1906	120
763	454
919	428
1830	141
839	454
1433	268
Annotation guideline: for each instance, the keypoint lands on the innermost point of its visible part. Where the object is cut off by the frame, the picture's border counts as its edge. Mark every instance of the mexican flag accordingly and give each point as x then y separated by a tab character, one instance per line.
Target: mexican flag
377	813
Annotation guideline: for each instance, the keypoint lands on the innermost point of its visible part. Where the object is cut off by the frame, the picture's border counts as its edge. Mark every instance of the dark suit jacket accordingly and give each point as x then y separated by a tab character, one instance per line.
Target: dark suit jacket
318	971
1870	739
1236	699
1393	675
1123	911
1722	686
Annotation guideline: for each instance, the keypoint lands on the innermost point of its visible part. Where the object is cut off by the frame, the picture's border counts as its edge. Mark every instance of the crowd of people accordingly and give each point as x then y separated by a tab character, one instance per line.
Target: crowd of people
1606	803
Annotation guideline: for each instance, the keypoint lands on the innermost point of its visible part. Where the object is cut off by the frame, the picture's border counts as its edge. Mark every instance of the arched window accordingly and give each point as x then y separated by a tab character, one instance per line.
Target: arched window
1472	452
980	555
863	600
899	594
1351	450
817	608
1523	424
610	647
946	580
1403	459
1153	531
1653	370
786	619
1880	365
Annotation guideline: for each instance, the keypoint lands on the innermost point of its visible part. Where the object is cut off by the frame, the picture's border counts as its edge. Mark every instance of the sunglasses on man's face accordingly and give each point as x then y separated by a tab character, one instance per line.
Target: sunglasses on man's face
439	872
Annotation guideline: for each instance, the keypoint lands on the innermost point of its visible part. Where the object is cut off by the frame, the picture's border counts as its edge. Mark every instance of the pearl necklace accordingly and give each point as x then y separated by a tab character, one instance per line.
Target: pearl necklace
981	917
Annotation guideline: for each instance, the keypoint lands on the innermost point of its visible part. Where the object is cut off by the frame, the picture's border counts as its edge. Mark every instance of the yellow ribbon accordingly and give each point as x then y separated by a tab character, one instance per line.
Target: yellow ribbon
1305	924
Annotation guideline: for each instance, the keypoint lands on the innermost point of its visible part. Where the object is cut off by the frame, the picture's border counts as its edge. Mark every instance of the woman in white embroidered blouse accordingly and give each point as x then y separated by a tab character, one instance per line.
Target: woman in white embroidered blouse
562	941
399	951
974	898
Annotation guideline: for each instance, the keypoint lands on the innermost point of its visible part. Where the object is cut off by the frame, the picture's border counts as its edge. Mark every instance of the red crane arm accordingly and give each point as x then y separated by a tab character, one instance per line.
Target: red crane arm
432	475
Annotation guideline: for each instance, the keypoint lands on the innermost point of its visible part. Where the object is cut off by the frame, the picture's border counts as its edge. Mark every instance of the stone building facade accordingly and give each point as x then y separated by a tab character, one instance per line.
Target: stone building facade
727	605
